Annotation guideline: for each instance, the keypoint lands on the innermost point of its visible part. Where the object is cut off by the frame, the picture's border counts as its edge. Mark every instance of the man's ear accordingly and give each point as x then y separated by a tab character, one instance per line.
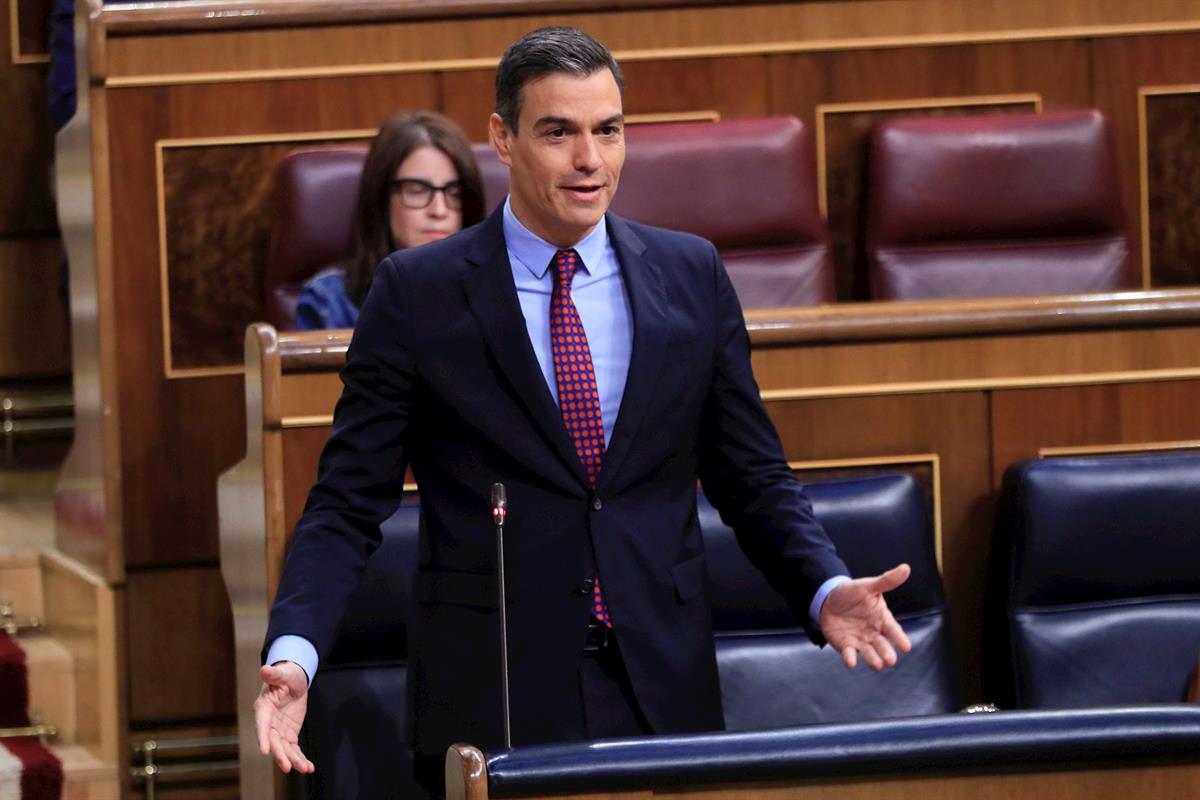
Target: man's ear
501	137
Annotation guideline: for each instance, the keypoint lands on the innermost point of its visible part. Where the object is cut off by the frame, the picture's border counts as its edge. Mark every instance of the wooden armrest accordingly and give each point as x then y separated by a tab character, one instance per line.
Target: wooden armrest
1193	695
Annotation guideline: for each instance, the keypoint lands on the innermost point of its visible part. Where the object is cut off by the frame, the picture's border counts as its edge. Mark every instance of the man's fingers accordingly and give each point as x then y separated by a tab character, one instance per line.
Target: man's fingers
895	634
891	579
849	657
262	722
871	657
279	751
885	650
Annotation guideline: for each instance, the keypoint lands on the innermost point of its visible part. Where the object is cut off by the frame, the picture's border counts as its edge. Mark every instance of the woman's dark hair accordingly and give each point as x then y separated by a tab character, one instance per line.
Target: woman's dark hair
396	140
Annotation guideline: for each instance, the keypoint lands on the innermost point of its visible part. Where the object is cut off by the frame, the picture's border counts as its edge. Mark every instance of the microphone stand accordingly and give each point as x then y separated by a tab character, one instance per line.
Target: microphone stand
499	512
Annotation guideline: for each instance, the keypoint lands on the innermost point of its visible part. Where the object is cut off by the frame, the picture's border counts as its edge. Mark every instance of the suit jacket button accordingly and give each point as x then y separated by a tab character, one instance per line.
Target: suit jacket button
584	589
596	504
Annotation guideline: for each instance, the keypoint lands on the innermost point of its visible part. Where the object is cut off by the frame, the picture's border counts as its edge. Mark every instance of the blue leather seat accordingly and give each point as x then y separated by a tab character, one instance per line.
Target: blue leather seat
771	674
1104	591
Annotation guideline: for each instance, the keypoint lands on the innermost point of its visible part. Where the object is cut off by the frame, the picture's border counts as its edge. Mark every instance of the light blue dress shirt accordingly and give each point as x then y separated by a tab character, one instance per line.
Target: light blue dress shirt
598	291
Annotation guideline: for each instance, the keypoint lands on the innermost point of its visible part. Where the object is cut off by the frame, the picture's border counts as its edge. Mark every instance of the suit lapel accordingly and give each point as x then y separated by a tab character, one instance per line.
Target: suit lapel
647	301
492	296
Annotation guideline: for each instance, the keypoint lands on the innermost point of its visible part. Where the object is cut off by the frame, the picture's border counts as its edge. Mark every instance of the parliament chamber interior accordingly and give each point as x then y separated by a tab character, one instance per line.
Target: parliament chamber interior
966	238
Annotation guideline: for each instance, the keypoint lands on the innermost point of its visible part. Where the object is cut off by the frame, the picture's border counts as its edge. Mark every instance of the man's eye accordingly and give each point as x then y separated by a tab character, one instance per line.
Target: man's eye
610	130
556	133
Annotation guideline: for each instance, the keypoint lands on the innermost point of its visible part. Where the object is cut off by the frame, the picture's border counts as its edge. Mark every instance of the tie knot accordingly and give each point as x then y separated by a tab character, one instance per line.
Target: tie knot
565	263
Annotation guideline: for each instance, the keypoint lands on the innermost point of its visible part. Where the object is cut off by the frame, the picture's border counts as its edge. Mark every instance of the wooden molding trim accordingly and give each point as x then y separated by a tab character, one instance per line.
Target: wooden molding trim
1116	449
928	319
826	109
14	37
1145	92
978	384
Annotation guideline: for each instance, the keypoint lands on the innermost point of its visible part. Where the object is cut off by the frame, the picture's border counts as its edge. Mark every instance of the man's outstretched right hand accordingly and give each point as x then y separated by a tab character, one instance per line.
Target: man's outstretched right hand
279	713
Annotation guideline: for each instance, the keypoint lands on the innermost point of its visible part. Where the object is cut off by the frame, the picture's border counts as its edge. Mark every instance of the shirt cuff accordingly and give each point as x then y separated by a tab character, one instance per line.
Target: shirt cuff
814	609
299	651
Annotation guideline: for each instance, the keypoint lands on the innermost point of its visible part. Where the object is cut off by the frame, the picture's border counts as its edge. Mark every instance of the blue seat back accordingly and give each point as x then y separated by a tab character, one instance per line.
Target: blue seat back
773	676
1104	590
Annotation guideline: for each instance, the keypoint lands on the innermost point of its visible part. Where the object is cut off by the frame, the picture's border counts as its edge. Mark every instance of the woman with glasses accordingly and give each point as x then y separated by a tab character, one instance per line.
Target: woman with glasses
420	183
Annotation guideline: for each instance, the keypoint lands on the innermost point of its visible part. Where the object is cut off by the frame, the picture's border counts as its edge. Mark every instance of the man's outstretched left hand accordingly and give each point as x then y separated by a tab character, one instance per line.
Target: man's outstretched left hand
855	619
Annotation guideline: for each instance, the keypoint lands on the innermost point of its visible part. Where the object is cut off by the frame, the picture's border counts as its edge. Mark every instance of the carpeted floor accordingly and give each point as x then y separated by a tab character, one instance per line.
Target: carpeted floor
28	771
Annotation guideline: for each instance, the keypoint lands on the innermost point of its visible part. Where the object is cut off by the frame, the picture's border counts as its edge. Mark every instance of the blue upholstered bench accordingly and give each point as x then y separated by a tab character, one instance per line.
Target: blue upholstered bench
771	675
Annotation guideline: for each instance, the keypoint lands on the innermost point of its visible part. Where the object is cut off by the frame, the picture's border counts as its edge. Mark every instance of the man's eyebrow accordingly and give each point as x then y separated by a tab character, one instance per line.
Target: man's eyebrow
613	120
557	122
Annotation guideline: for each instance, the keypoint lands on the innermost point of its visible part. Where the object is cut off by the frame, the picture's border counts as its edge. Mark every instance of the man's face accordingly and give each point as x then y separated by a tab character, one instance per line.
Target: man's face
566	154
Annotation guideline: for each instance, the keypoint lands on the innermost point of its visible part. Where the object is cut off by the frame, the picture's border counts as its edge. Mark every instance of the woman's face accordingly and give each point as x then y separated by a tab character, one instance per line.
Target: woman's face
426	199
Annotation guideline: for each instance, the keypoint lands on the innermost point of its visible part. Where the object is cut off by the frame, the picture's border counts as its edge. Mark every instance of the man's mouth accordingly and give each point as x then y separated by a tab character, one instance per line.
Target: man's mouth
585	191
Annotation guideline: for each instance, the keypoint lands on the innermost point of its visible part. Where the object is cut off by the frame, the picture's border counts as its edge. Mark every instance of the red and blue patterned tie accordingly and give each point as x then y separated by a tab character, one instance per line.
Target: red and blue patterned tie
578	397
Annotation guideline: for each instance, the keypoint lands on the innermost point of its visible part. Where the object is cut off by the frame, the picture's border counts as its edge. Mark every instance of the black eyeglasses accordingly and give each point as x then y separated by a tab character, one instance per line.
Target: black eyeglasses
417	193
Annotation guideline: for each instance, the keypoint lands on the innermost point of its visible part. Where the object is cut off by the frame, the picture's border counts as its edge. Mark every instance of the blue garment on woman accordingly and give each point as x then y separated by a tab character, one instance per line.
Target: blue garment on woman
324	302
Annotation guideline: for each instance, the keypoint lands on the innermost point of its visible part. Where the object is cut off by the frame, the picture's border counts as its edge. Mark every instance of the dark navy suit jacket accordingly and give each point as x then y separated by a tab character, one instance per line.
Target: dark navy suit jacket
441	376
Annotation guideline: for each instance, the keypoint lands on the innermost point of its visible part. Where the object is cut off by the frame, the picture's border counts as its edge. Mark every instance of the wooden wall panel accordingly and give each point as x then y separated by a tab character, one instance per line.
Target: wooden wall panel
1120	67
1025	420
33	339
181	433
180	639
26	199
218	206
1057	72
1170	151
953	426
31	29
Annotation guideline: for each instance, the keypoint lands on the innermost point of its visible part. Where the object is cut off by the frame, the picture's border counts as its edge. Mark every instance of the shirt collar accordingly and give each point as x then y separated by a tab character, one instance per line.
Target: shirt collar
535	253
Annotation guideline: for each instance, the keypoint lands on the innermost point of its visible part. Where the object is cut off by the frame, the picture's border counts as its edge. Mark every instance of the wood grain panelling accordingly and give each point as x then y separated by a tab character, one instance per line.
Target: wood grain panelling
33	319
1025	420
179	625
31	29
218	204
1172	191
178	435
733	87
955	428
1056	71
1121	67
26	201
843	132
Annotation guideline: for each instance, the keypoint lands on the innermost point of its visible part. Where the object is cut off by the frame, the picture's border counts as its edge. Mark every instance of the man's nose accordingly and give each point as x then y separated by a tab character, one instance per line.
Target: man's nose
587	154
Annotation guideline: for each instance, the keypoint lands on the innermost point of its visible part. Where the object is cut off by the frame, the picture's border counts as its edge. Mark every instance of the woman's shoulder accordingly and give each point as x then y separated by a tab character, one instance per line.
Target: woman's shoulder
324	302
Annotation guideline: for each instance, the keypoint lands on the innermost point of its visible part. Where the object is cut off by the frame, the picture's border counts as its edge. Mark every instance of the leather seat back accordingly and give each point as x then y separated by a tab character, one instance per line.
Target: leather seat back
1104	593
773	676
968	206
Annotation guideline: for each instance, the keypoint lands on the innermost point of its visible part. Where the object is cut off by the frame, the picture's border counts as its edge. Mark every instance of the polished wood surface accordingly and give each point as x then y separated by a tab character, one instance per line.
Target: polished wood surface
32	314
1193	694
1172	172
87	618
466	779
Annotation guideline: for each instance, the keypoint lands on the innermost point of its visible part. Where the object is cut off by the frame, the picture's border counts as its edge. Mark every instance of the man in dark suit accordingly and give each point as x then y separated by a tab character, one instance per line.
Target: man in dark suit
596	367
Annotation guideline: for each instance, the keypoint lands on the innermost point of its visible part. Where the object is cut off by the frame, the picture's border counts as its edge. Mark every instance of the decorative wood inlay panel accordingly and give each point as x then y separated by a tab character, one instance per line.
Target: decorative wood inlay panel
1170	166
842	131
215	215
29	22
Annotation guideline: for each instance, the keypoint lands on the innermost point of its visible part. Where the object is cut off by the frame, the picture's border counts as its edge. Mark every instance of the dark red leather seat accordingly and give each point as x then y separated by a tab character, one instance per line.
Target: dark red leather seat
747	185
995	205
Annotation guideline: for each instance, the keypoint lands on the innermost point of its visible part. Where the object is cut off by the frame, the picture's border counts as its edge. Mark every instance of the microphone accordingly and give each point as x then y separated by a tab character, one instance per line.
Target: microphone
499	512
499	503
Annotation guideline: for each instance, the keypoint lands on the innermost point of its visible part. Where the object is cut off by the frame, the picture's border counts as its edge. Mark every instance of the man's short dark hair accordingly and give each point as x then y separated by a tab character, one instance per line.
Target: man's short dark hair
544	52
